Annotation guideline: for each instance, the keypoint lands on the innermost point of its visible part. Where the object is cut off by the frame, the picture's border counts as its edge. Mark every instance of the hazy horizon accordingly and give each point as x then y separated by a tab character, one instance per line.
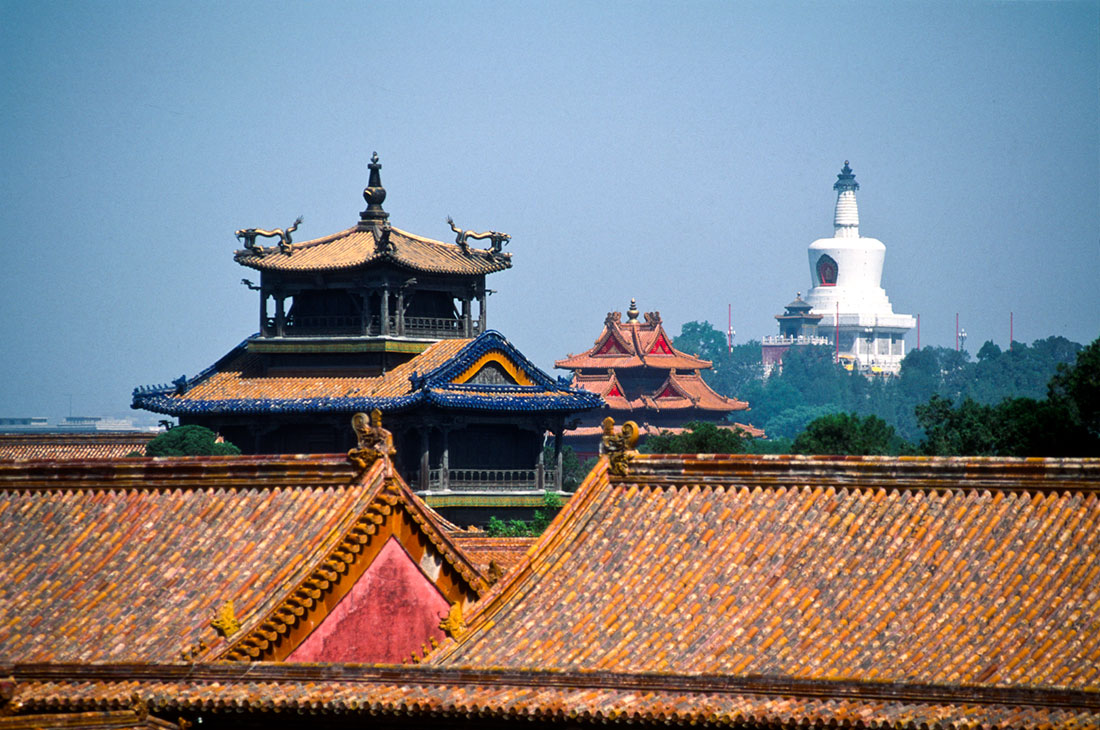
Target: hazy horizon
680	154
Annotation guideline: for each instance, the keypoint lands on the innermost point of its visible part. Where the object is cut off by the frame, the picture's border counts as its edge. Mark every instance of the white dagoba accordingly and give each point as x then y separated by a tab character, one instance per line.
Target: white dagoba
846	271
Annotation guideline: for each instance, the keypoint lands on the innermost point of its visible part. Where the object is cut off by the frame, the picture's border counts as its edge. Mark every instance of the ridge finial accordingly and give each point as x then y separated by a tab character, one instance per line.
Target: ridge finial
374	194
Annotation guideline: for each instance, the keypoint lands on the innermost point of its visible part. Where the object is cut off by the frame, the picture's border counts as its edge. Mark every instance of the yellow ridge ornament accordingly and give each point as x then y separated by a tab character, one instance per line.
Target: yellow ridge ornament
619	447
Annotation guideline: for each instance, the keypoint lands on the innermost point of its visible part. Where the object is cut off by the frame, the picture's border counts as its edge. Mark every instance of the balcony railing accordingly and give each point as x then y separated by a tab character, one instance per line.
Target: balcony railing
437	327
488	480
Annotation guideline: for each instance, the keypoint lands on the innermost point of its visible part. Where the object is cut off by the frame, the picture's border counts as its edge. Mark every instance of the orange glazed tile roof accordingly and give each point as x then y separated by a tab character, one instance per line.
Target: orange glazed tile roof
110	445
240	379
231	694
940	573
129	561
482	549
680	391
647	429
356	247
632	344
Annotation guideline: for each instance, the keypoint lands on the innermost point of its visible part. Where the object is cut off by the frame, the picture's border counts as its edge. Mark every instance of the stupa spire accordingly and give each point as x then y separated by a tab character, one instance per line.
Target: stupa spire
846	217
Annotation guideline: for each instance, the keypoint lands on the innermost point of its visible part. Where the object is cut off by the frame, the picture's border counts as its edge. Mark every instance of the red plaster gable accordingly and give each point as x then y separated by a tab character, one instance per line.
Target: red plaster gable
660	346
391	612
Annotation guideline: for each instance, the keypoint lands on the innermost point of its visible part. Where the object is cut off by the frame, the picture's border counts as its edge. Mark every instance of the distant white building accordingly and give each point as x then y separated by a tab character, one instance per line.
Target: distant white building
846	271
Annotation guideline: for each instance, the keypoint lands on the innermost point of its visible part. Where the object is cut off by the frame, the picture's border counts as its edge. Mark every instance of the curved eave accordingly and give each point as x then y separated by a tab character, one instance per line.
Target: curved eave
363	254
504	401
553	402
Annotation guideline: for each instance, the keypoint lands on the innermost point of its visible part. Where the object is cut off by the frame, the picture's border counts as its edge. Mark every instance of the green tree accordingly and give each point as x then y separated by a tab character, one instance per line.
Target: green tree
950	431
848	433
731	372
189	441
698	437
1077	387
551	505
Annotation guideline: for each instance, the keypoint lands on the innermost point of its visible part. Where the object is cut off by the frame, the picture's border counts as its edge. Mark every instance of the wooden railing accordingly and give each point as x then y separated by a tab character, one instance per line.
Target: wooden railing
438	327
488	480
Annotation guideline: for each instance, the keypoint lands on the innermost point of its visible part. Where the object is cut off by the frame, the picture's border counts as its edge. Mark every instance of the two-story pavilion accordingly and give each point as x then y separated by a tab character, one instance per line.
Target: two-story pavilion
376	317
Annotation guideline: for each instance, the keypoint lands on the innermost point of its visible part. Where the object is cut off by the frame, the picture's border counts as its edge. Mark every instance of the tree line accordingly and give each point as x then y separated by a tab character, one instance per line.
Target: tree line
1037	400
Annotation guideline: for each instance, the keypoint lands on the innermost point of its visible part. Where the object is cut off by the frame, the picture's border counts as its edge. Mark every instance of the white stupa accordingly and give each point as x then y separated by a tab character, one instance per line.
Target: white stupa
846	271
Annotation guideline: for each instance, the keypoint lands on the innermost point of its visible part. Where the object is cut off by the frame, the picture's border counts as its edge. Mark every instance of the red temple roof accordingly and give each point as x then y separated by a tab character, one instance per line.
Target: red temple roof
633	344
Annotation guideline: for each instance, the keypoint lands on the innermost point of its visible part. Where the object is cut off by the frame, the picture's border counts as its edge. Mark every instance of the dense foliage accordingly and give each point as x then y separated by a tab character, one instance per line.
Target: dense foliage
189	441
551	505
699	437
847	433
1042	399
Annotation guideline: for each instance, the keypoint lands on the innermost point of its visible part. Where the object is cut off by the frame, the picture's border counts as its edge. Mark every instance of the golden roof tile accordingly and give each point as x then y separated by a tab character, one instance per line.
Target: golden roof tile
356	247
937	571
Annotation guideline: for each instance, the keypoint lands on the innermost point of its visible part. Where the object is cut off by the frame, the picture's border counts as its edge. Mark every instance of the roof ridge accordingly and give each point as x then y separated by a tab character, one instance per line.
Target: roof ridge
176	472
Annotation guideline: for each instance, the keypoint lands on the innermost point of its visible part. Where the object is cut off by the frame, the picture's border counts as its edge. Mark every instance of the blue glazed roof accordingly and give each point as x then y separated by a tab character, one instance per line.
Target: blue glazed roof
432	388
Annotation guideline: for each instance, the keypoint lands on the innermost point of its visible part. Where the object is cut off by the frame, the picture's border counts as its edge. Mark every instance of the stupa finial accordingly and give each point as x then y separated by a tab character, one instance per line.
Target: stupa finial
632	313
846	180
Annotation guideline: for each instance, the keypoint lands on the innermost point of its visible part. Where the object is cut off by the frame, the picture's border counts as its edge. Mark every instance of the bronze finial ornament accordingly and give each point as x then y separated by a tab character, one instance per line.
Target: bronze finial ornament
496	238
248	235
375	442
619	447
374	194
632	313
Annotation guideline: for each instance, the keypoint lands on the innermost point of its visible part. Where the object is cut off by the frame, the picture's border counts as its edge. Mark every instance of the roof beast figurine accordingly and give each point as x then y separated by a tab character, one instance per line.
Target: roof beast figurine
248	235
496	238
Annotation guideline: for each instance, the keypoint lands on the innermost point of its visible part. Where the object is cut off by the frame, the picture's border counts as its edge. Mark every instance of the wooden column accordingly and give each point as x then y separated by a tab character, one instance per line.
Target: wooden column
557	458
425	461
445	461
280	314
385	309
263	313
467	324
482	322
401	311
365	295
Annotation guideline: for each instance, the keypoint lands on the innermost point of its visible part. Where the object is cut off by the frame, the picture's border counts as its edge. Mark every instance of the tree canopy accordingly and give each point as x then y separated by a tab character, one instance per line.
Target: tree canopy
698	437
848	433
189	441
811	385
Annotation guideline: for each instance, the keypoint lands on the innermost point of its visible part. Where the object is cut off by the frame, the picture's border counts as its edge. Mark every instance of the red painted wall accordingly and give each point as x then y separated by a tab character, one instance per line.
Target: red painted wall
390	612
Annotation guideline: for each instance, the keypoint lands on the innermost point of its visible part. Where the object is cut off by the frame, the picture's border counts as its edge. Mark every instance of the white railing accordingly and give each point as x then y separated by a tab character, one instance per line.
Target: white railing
800	340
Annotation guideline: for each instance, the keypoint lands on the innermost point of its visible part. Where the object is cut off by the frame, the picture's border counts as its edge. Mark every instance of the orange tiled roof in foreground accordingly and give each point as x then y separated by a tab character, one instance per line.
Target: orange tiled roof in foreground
943	571
128	561
728	591
483	550
358	247
105	445
646	429
230	694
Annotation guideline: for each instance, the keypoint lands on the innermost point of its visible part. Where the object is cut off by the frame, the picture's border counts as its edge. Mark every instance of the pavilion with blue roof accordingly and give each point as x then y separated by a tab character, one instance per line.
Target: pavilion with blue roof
375	317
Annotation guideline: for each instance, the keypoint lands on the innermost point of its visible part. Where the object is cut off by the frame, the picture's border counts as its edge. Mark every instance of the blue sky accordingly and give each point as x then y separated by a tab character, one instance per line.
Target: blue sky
679	153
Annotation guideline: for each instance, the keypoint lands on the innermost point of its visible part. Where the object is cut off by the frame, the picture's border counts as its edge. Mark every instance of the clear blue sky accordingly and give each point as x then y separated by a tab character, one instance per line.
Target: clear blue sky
679	152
